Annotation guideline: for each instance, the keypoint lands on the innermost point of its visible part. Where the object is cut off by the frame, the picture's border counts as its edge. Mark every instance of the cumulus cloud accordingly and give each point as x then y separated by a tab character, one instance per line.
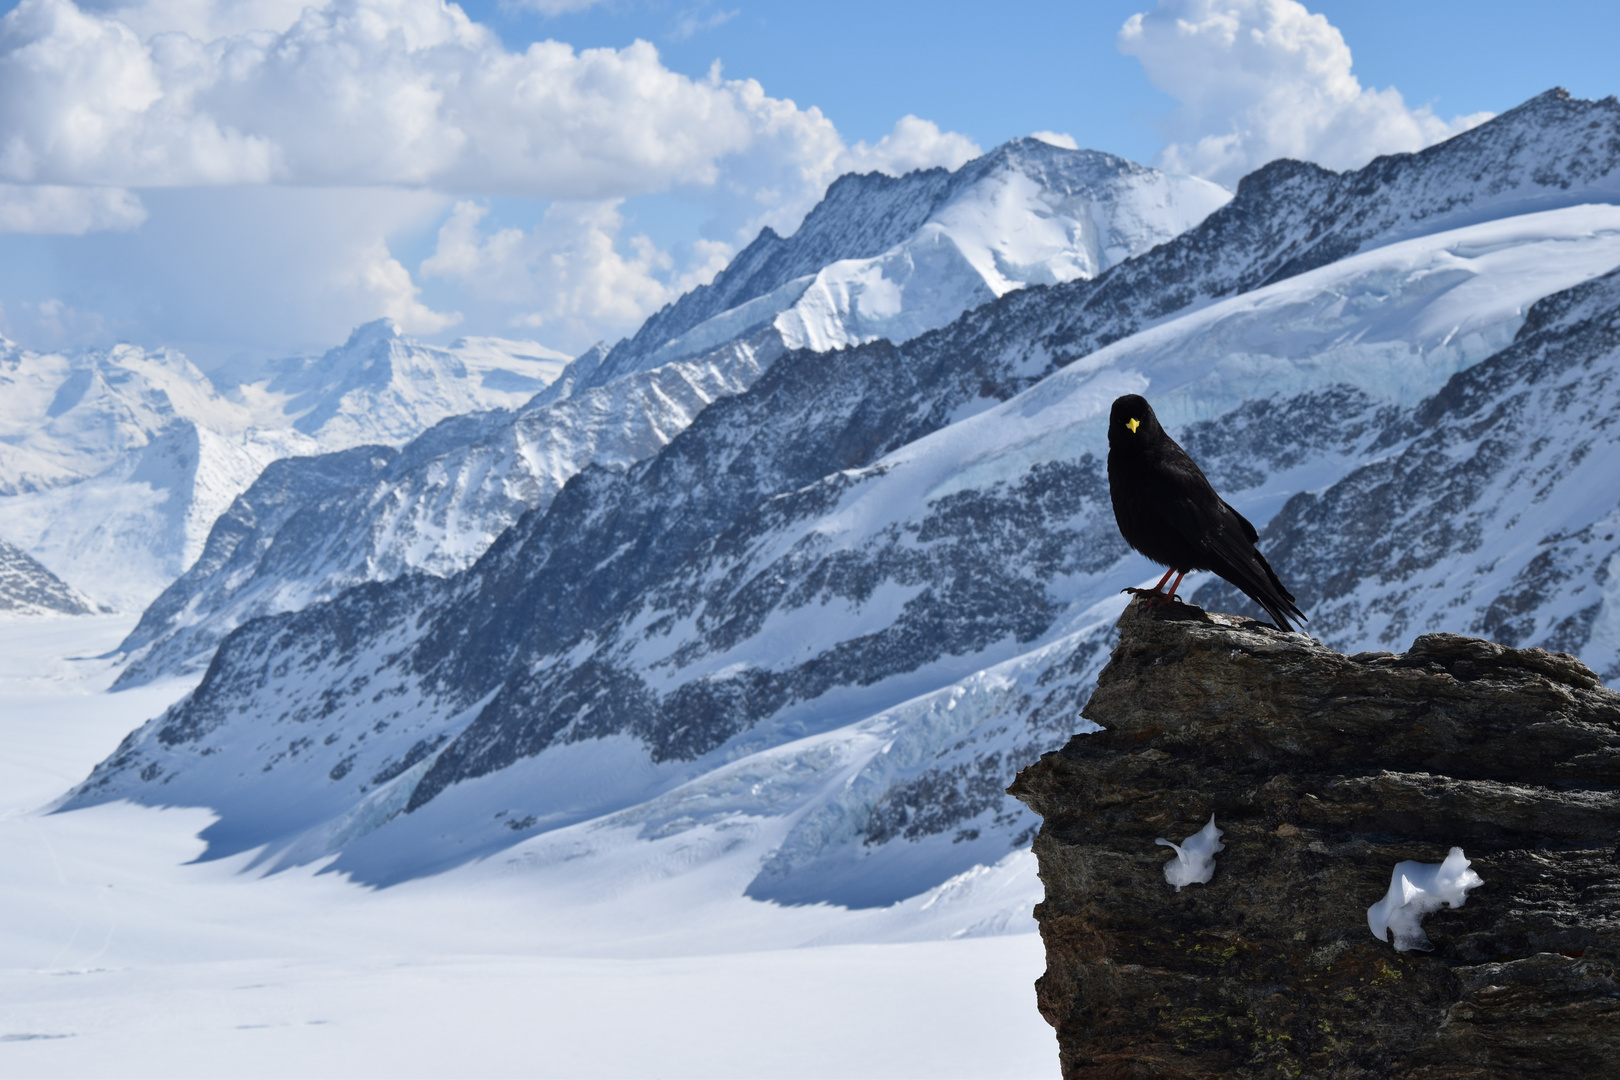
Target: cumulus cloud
384	280
1056	138
574	274
350	99
205	20
72	211
374	92
913	144
1262	79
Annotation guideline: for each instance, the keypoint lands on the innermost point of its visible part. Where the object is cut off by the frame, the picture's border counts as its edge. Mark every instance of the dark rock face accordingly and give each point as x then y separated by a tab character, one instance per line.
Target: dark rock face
1324	771
1402	543
27	588
242	544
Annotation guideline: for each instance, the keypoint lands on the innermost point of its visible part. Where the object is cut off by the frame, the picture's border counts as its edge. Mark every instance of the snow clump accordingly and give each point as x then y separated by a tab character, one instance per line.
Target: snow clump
1194	863
1415	890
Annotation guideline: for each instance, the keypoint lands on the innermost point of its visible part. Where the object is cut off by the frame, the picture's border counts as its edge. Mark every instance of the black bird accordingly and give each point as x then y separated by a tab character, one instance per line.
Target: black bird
1167	510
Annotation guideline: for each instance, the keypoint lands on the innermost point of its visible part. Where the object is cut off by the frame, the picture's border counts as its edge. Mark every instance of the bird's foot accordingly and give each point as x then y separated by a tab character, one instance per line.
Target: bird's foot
1153	597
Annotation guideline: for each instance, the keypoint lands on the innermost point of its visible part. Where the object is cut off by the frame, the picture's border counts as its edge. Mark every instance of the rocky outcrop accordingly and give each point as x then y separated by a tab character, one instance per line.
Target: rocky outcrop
1324	771
27	588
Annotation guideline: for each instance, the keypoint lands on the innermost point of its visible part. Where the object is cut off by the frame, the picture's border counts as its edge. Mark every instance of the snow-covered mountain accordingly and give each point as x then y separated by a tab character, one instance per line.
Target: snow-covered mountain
27	588
383	388
886	257
1026	213
115	464
843	606
1493	508
311	527
65	419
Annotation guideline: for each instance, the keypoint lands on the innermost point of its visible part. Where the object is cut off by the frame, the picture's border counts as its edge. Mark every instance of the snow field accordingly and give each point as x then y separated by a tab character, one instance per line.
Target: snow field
122	956
939	1009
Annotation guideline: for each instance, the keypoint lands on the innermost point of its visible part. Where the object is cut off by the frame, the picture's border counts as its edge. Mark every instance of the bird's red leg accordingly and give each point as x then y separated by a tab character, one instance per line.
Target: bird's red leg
1171	595
1153	595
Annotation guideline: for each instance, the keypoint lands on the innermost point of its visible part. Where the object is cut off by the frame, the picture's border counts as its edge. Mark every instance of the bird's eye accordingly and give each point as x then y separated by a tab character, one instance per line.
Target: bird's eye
1133	423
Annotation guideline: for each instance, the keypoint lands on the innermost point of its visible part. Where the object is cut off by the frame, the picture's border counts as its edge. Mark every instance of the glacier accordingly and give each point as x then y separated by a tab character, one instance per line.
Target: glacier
877	521
125	954
842	604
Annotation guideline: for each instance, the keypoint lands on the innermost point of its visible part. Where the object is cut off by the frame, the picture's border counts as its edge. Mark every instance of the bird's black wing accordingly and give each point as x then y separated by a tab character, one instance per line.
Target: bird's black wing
1225	538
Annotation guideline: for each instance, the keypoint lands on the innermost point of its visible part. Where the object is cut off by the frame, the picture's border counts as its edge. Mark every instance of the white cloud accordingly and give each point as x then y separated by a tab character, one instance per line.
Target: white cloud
574	274
373	92
386	284
287	152
73	211
205	20
913	144
1056	138
1262	79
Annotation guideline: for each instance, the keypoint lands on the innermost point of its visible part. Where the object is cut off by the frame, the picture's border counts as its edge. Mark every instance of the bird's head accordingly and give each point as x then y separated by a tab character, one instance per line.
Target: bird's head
1132	421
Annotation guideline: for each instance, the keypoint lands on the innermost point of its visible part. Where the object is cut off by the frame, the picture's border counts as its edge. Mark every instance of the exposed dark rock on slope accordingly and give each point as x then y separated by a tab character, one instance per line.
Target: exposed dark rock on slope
1324	771
770	575
1426	529
1287	217
27	588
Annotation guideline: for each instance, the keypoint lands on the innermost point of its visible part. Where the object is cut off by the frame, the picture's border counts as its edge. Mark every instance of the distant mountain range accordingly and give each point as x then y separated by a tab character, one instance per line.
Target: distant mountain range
893	257
115	464
841	603
1027	213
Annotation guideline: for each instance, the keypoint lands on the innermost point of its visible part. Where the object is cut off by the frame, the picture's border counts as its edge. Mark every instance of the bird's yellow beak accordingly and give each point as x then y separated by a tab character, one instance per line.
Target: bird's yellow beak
1133	423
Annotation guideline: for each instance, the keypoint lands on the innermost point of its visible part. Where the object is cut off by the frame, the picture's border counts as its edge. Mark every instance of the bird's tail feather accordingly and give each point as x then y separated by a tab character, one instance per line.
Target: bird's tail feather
1249	571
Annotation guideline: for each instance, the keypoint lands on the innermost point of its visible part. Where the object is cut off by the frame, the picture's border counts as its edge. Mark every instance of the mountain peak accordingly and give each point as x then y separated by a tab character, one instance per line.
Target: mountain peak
368	334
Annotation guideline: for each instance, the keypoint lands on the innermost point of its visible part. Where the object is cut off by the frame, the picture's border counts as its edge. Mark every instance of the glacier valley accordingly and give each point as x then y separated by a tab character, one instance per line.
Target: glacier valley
727	638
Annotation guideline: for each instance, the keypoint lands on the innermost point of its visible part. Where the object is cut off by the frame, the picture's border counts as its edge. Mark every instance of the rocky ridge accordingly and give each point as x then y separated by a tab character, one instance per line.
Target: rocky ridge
1493	497
27	588
311	527
861	533
1323	771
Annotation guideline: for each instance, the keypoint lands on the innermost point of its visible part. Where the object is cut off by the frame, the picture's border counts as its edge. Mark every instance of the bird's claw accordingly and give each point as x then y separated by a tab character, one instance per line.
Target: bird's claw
1153	597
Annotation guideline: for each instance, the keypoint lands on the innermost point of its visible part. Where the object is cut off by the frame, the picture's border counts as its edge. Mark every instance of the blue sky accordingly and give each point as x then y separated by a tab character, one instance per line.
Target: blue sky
256	177
995	71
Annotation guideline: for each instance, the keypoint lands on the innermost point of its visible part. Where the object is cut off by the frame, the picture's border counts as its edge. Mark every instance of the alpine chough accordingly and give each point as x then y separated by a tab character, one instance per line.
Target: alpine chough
1167	510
